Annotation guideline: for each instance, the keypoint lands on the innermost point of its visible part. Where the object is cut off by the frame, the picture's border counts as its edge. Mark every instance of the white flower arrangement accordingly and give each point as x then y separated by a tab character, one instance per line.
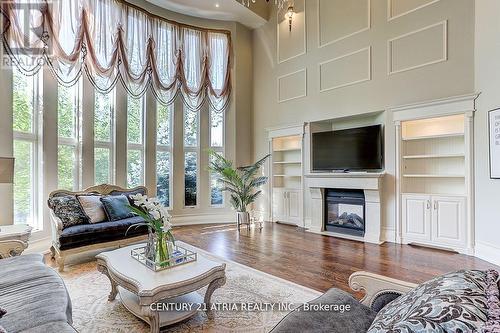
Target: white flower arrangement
154	208
157	218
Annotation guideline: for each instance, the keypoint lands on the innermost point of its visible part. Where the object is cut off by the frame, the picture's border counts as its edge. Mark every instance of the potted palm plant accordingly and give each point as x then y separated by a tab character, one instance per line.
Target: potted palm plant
242	183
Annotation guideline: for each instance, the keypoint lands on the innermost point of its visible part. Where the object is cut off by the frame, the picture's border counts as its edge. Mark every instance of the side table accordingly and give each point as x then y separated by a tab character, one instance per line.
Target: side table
14	239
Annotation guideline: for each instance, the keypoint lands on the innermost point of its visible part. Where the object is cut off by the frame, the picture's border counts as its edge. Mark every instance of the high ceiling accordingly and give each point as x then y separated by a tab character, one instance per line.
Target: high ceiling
226	10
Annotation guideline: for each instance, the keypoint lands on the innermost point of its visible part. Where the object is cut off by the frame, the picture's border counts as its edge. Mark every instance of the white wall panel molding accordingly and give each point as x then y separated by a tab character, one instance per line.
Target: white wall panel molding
443	48
299	22
392	16
356	31
297	81
341	61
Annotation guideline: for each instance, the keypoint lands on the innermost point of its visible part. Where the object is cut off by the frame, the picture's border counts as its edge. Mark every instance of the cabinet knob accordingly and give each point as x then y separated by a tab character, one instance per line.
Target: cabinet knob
435	205
428	204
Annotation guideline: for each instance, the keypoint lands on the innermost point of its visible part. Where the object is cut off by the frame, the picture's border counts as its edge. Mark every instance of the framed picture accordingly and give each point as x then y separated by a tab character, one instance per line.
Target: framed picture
494	125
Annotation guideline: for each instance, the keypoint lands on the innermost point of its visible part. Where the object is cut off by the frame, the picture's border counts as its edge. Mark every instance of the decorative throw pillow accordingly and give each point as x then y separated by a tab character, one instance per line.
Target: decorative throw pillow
93	208
68	209
454	302
129	193
116	207
493	303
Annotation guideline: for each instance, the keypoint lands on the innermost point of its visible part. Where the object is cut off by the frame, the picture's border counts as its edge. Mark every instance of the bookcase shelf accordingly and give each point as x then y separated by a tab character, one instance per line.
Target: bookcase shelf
287	149
432	176
414	157
287	162
286	175
436	136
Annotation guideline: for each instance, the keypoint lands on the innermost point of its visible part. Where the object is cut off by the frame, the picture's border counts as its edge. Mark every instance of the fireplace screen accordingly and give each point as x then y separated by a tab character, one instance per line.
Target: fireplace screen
345	212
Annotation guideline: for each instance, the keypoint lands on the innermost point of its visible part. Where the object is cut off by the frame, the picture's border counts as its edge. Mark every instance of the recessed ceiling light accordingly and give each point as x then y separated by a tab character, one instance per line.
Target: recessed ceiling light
217	5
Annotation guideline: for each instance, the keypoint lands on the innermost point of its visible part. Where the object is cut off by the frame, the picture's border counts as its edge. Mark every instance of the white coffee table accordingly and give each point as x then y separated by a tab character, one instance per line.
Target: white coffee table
142	291
14	239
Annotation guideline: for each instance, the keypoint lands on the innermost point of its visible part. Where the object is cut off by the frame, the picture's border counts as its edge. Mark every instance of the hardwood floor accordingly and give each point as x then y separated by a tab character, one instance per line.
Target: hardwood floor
321	262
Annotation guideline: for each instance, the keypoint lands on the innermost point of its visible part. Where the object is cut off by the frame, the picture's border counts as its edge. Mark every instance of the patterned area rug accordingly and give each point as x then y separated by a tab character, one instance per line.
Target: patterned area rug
92	312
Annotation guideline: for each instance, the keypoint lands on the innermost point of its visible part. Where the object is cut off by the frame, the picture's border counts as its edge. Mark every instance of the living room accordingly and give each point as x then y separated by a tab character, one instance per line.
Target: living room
249	166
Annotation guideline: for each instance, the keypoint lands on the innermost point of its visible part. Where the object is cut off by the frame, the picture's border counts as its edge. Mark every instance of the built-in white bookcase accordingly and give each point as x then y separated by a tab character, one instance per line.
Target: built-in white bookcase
287	174
287	162
433	155
434	173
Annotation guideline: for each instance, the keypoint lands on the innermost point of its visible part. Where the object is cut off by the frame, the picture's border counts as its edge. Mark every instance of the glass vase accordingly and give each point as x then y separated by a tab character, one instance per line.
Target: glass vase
164	250
150	252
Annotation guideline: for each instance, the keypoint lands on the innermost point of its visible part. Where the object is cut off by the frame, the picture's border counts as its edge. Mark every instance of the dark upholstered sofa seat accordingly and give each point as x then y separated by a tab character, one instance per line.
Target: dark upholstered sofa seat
34	296
358	319
89	234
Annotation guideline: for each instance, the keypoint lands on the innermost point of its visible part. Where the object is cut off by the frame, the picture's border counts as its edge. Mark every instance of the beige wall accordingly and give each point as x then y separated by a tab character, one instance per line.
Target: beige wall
353	77
487	78
243	92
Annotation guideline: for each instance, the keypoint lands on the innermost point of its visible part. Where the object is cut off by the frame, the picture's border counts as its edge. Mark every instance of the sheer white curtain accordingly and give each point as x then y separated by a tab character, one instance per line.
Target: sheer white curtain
113	41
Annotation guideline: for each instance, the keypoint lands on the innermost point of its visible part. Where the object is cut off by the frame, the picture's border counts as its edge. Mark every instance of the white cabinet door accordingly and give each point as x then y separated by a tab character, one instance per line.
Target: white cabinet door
416	218
448	221
294	199
279	205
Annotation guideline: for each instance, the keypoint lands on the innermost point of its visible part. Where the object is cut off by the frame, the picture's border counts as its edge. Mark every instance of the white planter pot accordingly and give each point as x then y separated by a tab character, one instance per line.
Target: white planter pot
242	218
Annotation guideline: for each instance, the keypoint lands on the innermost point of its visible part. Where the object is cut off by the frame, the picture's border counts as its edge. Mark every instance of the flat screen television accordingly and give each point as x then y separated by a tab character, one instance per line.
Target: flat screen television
354	149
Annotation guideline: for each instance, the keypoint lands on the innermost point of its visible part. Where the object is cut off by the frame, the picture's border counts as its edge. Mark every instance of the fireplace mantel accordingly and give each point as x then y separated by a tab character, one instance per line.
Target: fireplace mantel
370	183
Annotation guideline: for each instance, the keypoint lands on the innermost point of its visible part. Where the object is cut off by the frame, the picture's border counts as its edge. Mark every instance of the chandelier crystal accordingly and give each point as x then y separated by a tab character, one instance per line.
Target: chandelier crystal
280	3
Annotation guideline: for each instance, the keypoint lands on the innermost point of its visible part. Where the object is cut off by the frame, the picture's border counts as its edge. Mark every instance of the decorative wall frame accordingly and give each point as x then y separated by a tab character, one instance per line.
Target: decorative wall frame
390	67
367	27
494	142
280	78
304	50
368	77
391	17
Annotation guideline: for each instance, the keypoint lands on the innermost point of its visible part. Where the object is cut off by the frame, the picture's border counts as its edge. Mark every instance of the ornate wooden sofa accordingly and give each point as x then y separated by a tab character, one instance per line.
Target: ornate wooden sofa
88	237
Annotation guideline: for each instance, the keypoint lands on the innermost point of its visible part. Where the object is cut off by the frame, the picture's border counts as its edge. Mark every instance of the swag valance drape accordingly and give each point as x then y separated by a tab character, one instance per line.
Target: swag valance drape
113	41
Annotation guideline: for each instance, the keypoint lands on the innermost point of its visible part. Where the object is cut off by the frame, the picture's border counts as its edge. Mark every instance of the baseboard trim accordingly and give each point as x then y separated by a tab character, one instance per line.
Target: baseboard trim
197	219
388	235
488	252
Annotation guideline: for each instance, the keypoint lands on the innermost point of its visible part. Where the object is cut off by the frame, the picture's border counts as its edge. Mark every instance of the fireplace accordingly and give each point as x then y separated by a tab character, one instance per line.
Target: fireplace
345	211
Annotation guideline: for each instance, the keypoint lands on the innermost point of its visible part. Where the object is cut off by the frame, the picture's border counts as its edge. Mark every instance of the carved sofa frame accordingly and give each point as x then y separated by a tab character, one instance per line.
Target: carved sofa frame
379	291
57	225
375	286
